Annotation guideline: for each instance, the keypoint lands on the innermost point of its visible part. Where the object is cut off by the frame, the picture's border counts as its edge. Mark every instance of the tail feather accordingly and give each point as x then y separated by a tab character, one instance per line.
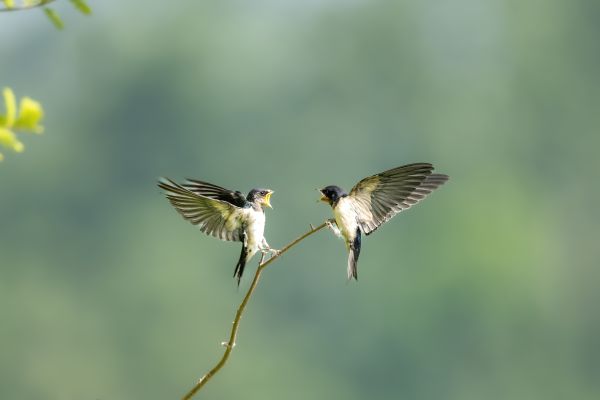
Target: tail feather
241	264
353	256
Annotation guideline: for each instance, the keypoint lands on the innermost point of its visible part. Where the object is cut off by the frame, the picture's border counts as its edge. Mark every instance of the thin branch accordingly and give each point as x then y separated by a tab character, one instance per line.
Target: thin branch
22	7
240	311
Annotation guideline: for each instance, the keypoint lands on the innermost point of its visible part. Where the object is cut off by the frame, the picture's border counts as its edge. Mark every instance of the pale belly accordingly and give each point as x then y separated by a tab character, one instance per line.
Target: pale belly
254	230
345	218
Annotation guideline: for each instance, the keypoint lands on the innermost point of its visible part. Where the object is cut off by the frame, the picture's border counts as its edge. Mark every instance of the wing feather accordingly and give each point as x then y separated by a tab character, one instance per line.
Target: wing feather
218	218
379	197
213	191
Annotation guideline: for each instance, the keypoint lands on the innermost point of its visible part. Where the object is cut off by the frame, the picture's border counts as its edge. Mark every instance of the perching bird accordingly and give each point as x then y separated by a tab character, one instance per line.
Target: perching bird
224	214
376	199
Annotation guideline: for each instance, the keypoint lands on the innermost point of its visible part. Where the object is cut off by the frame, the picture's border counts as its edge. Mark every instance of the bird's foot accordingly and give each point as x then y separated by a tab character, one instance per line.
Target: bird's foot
226	344
331	224
269	250
275	252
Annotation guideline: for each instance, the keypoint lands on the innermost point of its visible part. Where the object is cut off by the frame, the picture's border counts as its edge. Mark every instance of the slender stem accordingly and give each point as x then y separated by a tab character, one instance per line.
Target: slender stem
240	311
41	3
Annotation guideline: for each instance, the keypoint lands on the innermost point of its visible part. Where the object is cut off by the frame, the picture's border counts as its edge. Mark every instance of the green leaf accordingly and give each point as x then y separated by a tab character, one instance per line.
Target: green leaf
82	6
10	103
8	139
9	3
34	3
30	115
54	18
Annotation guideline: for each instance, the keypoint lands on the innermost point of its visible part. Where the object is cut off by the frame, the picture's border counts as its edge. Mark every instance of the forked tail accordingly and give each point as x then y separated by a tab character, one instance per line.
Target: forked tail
353	256
241	264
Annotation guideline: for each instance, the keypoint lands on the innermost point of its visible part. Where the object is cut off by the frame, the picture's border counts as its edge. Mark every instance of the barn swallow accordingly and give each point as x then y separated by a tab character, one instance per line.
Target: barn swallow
374	200
224	214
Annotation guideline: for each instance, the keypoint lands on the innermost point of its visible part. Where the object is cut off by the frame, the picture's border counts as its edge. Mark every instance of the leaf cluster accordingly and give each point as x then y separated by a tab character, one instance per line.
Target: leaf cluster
16	5
24	118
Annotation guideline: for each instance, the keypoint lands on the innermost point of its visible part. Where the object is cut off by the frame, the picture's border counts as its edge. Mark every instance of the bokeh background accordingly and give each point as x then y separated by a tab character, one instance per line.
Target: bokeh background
489	289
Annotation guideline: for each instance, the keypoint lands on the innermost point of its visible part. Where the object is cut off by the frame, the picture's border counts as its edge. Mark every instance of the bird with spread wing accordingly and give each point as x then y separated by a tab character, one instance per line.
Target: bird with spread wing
225	214
375	200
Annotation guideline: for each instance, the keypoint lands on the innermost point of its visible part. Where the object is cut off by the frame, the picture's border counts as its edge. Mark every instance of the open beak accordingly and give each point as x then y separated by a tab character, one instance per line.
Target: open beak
267	200
323	197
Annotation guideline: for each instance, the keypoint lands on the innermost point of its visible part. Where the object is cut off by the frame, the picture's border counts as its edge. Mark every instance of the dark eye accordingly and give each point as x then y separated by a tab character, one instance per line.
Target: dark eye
263	193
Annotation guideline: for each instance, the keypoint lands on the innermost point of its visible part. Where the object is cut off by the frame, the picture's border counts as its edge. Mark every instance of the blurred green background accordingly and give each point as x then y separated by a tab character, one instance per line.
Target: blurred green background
489	289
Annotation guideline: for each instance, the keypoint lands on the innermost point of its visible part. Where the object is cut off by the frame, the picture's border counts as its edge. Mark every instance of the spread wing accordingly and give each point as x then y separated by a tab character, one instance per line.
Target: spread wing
218	218
215	192
378	198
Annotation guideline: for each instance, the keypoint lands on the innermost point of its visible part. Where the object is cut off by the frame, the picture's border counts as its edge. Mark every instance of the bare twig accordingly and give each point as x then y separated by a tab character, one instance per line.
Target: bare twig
41	3
240	311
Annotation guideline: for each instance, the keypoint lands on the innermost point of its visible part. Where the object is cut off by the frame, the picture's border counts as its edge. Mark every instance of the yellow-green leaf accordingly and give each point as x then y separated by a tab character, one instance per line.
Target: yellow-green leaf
30	115
8	139
11	107
82	6
34	3
53	16
9	3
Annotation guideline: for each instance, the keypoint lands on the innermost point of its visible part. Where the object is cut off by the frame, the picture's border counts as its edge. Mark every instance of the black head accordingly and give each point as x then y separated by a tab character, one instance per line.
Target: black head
331	194
261	197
